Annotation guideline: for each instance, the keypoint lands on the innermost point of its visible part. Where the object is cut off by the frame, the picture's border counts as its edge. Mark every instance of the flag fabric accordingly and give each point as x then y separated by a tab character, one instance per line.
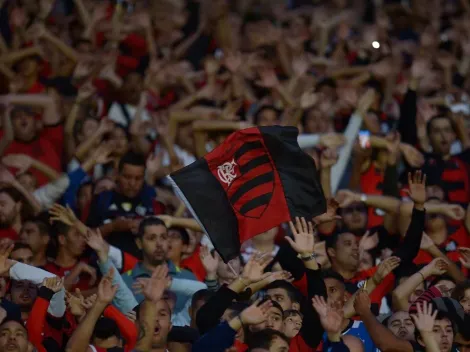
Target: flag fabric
255	180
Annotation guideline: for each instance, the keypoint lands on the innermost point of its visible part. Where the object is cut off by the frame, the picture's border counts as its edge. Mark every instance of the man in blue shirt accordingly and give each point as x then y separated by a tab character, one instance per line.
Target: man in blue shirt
152	239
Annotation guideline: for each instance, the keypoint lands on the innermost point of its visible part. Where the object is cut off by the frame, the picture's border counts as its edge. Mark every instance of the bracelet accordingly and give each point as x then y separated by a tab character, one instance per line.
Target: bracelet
419	272
308	257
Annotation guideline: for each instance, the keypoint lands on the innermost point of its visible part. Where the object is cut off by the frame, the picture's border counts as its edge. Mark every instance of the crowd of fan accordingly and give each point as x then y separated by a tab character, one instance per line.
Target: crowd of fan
102	99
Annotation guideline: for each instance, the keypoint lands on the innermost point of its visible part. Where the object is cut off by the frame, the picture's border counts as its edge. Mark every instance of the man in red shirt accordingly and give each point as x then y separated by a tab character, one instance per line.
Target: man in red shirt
10	213
41	144
68	262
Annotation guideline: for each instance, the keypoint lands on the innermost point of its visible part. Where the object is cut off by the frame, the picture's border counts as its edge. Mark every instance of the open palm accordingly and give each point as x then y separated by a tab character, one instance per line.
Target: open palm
417	184
330	319
303	233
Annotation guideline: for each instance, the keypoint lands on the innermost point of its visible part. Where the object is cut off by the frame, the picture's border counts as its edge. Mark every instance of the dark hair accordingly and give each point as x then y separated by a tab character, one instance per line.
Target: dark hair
459	291
264	338
150	221
201	295
331	274
440	316
332	240
440	278
264	108
237	308
41	221
131	158
276	305
292	292
20	245
183	234
291	313
106	328
434	118
26	210
326	82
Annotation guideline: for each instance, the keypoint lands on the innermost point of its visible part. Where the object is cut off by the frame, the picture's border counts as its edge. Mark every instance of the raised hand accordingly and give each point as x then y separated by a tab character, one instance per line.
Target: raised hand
332	140
95	241
346	197
465	256
254	269
5	264
328	158
62	214
210	262
75	303
425	317
268	79
88	269
308	99
385	268
256	313
330	319
417	191
55	284
454	211
368	241
22	162
303	234
437	267
233	62
412	155
106	289
154	287
426	242
362	302
330	214
279	275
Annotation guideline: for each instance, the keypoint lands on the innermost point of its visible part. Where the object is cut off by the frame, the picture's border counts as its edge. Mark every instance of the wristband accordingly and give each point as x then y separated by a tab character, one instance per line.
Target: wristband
419	272
308	257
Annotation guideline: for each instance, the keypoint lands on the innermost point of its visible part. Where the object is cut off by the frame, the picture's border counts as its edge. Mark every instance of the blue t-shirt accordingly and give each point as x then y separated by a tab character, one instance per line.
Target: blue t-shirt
358	329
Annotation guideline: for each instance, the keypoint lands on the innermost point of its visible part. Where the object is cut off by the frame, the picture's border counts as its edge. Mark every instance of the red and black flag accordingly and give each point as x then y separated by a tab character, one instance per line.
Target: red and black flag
255	180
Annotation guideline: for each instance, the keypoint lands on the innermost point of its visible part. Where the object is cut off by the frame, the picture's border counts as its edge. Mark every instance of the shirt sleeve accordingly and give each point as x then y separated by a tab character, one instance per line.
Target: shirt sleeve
51	192
216	340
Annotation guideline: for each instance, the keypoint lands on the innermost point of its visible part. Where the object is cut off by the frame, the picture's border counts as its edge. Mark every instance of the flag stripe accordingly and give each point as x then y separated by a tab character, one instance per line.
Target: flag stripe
250	184
262	200
254	163
245	148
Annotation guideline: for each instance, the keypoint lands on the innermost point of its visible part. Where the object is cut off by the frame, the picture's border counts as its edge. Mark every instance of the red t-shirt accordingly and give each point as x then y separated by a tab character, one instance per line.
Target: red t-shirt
9	233
459	238
46	149
372	183
194	264
83	281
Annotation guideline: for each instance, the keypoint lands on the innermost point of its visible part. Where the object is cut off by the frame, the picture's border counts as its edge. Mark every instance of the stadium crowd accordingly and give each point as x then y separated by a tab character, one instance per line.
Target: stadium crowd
100	100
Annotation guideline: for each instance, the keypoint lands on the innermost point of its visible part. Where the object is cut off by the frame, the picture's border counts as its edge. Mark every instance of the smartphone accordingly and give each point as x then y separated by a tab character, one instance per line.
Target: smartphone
364	139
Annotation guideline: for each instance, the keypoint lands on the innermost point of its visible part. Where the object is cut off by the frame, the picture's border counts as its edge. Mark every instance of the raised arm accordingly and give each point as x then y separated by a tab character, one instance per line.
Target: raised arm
81	337
383	338
401	294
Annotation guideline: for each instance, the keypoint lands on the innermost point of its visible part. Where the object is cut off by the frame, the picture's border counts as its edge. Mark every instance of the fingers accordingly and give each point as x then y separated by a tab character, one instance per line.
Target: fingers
264	307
